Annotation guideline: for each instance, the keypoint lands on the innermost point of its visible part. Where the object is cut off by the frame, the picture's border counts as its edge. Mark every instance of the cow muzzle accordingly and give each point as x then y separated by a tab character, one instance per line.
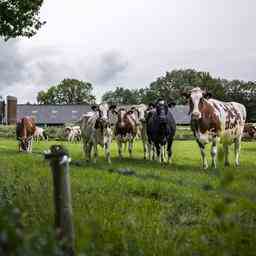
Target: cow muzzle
196	115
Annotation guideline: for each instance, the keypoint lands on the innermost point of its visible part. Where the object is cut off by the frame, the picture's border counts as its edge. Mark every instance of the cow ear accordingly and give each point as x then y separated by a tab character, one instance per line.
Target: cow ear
94	107
151	105
171	104
207	95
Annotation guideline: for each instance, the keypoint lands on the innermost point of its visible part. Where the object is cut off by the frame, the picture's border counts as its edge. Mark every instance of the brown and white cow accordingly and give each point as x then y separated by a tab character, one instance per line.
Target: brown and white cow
212	121
125	130
249	131
141	112
96	130
25	130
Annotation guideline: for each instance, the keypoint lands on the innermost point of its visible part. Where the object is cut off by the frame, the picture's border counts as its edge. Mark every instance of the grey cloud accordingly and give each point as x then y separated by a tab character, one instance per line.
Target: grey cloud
11	63
29	71
111	64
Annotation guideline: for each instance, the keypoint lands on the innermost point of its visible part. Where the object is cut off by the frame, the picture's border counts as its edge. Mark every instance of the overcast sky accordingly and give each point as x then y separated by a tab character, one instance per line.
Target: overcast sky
130	43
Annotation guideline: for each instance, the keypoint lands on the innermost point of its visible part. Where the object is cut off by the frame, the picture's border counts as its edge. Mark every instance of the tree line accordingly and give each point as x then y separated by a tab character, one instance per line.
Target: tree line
171	86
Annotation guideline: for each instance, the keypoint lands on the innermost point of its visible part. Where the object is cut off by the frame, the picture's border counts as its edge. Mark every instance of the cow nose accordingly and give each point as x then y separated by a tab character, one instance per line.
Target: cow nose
196	115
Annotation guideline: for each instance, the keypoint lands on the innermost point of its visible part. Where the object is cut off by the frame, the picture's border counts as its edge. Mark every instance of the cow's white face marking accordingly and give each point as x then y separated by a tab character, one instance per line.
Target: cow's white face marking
196	95
103	108
141	112
122	113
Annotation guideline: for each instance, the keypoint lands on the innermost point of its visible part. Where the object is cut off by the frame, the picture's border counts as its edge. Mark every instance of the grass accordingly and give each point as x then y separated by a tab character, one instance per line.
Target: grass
178	209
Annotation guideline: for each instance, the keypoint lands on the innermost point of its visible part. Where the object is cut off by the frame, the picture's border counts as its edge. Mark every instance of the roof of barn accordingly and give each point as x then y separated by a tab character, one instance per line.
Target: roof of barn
60	114
52	114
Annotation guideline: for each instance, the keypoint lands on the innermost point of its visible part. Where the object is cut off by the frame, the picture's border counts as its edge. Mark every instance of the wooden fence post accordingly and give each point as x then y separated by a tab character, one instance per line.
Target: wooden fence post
59	162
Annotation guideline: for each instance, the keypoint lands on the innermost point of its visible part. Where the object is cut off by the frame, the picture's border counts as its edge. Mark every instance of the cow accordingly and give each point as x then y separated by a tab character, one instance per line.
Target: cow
96	130
161	128
39	134
25	130
125	130
212	121
73	133
249	131
141	114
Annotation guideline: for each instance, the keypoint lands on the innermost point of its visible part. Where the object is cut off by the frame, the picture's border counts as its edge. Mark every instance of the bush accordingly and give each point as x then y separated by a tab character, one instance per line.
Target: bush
7	131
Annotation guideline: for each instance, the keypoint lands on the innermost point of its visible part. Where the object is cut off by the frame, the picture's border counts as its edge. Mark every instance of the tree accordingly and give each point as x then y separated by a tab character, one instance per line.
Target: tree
171	86
19	18
69	91
122	96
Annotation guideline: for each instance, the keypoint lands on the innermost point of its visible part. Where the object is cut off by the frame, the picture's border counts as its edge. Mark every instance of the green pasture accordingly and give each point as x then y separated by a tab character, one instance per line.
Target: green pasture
178	209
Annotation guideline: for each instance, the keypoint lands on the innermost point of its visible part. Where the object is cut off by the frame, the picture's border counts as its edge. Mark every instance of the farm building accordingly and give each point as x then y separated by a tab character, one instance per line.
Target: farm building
52	114
61	114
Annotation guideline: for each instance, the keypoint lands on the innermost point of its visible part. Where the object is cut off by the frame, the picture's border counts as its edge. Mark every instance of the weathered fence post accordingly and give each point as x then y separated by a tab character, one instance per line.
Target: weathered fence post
59	162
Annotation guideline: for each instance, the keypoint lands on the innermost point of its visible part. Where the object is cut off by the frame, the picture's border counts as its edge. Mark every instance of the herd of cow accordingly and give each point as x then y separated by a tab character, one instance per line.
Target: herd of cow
212	121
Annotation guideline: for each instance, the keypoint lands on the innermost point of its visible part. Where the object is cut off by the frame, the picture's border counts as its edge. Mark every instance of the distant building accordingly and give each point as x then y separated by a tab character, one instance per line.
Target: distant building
52	114
11	112
180	114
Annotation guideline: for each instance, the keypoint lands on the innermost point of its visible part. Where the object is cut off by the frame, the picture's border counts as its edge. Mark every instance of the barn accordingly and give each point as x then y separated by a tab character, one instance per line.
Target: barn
52	114
56	115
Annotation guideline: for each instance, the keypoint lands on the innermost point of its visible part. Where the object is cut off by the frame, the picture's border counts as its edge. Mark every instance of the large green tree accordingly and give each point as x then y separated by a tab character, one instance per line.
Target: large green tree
123	96
171	86
69	91
19	18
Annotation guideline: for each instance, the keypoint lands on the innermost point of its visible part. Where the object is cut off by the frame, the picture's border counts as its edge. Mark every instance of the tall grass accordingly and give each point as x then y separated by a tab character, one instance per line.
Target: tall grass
178	209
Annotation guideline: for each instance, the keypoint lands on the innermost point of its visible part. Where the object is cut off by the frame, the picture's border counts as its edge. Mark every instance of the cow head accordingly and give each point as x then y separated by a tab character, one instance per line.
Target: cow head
112	115
103	111
67	131
121	114
24	143
196	98
140	111
162	111
102	121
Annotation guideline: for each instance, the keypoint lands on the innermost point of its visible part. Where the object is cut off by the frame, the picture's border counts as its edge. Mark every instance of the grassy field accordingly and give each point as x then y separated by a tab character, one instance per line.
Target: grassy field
177	209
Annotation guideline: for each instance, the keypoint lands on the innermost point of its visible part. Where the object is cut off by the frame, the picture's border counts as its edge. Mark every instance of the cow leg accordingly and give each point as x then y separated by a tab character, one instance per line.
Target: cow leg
130	146
203	155
226	161
237	151
95	149
107	152
149	150
169	150
119	145
214	152
87	150
162	154
144	149
158	152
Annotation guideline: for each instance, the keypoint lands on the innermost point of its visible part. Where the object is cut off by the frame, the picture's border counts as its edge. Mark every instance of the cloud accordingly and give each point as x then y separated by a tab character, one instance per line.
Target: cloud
24	72
11	64
111	64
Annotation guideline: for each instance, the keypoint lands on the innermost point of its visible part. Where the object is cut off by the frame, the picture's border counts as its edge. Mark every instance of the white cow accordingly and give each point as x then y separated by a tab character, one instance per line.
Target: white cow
39	134
96	130
73	133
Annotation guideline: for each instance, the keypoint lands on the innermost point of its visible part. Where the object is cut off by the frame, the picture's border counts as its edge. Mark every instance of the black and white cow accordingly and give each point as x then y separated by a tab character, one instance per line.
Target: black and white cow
161	128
